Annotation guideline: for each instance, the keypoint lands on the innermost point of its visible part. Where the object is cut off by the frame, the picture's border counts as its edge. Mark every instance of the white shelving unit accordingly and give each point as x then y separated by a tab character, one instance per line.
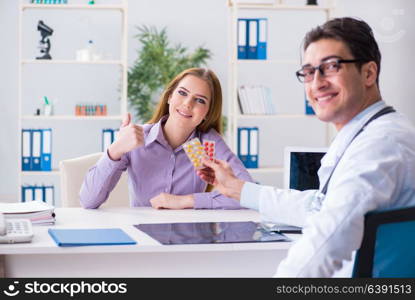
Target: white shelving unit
74	6
49	121
70	117
236	118
43	62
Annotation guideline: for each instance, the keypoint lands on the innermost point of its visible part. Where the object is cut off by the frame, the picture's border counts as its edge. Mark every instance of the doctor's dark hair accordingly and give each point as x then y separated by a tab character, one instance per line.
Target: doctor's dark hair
355	33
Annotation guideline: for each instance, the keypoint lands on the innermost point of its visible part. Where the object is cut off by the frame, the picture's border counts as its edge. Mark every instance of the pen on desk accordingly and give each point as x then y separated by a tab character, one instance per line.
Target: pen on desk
291	231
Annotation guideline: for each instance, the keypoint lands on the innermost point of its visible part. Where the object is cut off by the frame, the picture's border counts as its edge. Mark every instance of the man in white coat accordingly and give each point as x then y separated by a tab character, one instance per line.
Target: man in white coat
369	166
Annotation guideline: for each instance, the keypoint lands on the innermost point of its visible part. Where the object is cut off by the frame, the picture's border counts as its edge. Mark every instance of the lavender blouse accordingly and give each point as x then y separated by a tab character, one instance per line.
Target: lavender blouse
155	168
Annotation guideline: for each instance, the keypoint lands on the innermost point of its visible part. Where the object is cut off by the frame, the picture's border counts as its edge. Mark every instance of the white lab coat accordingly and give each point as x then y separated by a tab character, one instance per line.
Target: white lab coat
377	171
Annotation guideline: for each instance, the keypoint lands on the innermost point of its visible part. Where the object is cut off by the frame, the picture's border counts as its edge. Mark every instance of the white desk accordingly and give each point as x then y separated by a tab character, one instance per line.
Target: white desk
148	258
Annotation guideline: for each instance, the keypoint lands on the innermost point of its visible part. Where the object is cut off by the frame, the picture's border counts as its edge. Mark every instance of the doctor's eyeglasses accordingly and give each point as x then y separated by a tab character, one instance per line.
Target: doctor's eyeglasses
327	68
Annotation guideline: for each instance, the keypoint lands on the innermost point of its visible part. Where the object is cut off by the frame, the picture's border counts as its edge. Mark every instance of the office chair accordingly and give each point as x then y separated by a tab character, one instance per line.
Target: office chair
73	172
388	246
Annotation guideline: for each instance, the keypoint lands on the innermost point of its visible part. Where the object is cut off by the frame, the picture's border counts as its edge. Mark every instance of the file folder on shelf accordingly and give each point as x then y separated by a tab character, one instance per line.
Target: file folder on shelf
107	138
36	147
243	140
48	194
90	237
253	147
26	149
242	39
43	193
308	108
115	134
252	39
46	152
262	38
38	193
27	193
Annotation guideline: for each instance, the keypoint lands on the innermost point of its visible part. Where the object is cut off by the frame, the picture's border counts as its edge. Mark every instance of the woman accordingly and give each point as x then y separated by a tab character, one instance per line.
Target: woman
159	172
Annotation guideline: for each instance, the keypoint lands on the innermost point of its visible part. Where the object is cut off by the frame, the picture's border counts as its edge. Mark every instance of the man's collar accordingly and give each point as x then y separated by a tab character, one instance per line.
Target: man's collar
370	111
354	125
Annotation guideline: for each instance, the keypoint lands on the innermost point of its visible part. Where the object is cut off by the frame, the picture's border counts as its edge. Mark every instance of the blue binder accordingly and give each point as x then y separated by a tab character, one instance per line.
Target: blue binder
107	138
253	39
37	193
36	149
308	108
90	237
262	38
46	153
27	193
43	193
243	145
26	149
242	39
253	147
115	134
48	194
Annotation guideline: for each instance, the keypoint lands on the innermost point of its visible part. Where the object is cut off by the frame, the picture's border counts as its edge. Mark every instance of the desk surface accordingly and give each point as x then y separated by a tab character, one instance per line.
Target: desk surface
125	218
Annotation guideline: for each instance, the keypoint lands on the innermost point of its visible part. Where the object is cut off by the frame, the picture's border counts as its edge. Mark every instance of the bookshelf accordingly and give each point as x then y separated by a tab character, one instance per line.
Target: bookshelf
66	39
46	62
290	125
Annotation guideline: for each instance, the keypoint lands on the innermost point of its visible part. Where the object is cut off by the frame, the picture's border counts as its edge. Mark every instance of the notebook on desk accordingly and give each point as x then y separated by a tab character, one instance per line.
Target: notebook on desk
90	237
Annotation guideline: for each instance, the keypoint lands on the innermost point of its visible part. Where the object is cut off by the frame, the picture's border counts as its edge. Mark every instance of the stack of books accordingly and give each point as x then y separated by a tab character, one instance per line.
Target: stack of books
256	100
37	212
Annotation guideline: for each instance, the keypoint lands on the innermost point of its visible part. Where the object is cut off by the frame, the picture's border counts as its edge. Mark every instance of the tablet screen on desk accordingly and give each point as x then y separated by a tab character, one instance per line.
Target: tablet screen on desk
210	233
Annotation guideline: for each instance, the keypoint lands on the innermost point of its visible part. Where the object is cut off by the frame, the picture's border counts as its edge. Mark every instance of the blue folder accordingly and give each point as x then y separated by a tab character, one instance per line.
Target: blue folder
253	147
308	108
27	193
242	38
26	149
243	145
262	38
36	148
90	237
108	137
253	39
46	150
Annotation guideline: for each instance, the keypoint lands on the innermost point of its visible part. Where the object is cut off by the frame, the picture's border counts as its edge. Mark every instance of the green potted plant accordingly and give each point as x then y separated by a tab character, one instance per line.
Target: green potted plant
157	63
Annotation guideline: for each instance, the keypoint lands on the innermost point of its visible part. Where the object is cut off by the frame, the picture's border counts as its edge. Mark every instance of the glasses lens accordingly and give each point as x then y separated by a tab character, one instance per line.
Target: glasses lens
308	74
330	67
300	76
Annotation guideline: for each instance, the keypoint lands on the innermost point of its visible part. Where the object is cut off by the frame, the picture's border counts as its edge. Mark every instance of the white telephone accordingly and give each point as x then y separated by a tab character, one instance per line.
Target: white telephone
15	230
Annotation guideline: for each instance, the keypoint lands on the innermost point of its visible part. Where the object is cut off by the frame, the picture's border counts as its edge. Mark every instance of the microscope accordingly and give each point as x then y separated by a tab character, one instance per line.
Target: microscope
44	43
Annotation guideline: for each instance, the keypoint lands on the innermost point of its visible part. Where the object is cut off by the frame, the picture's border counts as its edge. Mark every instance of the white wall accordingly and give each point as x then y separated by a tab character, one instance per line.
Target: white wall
195	23
394	27
8	98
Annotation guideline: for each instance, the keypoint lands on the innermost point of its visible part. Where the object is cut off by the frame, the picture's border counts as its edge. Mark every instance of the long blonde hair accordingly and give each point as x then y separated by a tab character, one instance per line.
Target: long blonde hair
213	118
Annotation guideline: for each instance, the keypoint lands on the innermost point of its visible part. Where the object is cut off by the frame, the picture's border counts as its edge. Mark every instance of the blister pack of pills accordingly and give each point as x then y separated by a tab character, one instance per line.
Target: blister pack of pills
196	151
209	147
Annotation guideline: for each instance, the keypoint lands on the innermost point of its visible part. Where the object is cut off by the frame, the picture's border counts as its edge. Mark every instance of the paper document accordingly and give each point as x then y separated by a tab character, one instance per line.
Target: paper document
38	212
24	207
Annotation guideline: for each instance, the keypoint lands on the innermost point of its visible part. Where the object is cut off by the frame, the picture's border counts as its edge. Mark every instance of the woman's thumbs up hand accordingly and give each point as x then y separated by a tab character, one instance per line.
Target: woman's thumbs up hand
130	136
